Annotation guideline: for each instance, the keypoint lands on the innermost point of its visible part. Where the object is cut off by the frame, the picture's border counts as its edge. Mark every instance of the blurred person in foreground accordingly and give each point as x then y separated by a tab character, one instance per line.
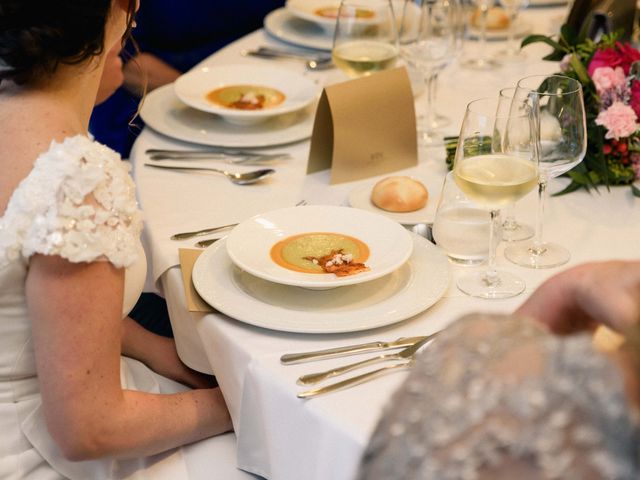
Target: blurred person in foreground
85	392
500	397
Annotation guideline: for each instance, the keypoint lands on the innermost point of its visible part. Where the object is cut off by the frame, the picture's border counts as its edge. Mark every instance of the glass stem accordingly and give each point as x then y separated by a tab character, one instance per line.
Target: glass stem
510	223
428	109
538	245
484	14
512	48
491	276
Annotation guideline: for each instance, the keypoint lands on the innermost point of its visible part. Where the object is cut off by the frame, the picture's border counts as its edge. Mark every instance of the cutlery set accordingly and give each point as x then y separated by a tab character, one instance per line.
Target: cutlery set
401	359
313	61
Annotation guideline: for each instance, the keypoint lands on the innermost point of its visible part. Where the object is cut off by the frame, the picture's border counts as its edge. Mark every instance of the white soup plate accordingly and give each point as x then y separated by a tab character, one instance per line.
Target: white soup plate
193	87
249	244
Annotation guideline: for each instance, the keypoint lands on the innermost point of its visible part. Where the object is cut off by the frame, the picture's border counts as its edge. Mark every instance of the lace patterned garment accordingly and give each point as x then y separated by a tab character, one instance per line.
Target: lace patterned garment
499	398
78	202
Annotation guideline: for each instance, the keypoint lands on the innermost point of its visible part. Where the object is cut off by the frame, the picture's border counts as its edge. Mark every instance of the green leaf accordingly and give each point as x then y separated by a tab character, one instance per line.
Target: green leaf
554	56
544	39
569	35
572	187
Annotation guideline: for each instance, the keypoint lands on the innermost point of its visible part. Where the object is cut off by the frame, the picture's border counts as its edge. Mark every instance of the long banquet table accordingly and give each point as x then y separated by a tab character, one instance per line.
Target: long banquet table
280	436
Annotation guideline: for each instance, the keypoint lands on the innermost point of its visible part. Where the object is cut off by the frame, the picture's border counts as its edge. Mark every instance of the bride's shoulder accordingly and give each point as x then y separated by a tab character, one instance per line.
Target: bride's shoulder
78	201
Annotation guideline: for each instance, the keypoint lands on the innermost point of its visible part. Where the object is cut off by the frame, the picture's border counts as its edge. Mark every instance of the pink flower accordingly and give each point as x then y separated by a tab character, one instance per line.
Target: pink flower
622	55
607	78
619	120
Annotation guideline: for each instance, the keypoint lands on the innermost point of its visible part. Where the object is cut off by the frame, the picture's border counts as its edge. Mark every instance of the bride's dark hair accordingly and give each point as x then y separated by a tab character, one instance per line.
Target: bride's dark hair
38	35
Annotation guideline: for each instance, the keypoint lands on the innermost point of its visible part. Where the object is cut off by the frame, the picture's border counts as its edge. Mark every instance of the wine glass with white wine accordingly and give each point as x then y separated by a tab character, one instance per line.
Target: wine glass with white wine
366	37
495	165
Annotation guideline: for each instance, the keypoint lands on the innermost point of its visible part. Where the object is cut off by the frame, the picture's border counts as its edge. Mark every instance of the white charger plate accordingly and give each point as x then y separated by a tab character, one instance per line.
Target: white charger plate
284	26
360	197
163	111
411	289
249	244
193	87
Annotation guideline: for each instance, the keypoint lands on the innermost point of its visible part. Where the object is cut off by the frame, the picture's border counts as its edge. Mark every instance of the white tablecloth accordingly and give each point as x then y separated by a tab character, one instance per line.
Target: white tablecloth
285	438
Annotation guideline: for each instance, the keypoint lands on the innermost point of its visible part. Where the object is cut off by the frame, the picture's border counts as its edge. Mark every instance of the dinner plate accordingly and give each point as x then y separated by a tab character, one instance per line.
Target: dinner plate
163	111
296	91
411	289
522	28
249	245
360	197
284	26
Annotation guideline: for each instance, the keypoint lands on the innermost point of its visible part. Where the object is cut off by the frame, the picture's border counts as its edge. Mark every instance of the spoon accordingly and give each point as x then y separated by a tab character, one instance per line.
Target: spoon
245	178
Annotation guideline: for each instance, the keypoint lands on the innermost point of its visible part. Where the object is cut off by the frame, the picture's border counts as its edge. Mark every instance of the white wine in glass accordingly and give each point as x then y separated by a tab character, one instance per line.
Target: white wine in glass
366	37
495	165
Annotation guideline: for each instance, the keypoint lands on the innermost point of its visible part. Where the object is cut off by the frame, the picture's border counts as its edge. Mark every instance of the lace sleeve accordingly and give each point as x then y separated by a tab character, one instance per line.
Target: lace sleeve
498	398
78	202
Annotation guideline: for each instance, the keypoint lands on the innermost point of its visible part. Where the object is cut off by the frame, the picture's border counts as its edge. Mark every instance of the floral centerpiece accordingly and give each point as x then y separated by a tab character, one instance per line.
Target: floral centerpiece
609	71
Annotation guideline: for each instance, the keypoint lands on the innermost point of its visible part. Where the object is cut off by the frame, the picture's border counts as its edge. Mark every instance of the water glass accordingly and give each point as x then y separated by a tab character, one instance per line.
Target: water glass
460	227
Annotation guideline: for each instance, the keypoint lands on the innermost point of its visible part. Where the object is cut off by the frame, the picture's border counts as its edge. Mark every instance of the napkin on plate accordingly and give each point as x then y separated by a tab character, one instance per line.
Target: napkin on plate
195	303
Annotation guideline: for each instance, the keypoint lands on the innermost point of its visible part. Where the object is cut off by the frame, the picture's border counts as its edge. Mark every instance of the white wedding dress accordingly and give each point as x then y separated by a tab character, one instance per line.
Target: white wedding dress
48	214
499	398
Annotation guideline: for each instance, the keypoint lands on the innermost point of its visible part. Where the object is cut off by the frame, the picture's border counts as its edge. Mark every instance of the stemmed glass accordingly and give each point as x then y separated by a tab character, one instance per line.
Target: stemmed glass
512	53
429	47
482	61
366	37
512	229
495	165
559	116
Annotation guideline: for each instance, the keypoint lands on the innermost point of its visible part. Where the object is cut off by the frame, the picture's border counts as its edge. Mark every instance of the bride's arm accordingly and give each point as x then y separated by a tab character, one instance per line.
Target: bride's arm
75	310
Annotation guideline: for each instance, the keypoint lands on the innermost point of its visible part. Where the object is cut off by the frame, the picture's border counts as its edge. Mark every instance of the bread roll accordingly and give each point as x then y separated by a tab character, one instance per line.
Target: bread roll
497	19
399	194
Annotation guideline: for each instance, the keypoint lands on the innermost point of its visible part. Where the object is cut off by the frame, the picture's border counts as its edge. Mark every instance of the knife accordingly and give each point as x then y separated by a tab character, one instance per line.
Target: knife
353	380
292	358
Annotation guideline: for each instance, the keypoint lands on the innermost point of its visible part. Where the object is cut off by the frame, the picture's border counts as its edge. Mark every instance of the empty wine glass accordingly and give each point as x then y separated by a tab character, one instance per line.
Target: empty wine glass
366	37
481	61
561	130
512	229
495	165
429	47
512	53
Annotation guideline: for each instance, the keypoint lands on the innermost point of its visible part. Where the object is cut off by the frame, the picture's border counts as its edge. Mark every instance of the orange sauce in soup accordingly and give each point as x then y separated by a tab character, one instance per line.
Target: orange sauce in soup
332	12
293	252
246	97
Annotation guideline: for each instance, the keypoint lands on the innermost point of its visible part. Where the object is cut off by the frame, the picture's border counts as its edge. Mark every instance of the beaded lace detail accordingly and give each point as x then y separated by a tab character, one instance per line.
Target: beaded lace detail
499	398
78	202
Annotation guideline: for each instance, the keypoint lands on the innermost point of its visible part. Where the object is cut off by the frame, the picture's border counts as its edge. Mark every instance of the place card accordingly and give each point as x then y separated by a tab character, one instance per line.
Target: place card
195	303
365	127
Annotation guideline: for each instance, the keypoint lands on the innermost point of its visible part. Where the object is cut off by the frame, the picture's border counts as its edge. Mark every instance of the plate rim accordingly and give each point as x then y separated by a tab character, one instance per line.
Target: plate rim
318	282
165	94
310	323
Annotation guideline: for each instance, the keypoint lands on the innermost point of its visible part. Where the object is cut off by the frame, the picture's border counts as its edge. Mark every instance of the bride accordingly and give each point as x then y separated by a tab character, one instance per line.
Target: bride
71	263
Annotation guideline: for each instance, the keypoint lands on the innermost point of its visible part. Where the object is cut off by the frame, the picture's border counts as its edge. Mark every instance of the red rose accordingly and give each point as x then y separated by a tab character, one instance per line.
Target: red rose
622	55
